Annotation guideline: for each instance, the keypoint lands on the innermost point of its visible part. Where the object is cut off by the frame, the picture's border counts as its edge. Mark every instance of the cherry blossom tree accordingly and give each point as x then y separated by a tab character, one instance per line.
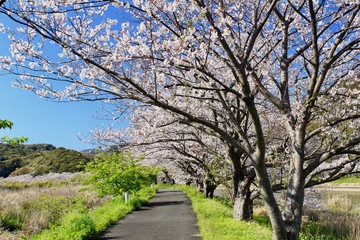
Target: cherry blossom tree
208	159
297	59
158	135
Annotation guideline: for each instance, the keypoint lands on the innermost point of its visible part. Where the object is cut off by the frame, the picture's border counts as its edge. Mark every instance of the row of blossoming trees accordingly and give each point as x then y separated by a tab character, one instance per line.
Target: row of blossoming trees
235	86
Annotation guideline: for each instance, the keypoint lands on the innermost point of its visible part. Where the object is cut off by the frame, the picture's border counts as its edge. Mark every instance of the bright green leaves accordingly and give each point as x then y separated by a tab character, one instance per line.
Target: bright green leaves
117	173
15	140
5	124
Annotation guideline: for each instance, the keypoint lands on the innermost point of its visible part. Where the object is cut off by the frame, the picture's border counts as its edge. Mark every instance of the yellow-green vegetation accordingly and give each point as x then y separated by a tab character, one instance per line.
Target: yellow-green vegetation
80	224
39	184
347	180
60	210
117	173
216	220
27	211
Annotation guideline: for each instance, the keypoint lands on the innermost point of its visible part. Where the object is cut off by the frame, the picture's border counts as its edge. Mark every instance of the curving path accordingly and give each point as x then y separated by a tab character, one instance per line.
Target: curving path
167	216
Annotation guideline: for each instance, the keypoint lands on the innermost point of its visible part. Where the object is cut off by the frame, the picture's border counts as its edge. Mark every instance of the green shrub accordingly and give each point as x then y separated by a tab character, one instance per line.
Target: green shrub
117	173
81	228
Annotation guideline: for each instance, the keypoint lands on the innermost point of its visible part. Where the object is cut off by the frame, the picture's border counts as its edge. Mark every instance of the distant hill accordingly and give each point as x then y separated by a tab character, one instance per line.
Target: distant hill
96	151
39	159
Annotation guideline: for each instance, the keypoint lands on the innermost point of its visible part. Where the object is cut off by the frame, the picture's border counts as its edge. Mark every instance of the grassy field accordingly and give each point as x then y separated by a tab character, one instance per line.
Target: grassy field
60	210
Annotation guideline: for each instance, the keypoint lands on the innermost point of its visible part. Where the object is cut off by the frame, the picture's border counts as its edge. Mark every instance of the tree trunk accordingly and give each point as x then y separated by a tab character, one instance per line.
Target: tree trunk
209	189
277	223
294	201
243	176
243	204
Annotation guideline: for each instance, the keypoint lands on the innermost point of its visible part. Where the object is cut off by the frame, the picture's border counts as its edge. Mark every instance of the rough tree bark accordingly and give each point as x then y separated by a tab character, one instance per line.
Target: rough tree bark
243	176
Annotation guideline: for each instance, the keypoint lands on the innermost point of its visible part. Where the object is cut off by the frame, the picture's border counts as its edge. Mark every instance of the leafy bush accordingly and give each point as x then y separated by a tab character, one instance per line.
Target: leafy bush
118	173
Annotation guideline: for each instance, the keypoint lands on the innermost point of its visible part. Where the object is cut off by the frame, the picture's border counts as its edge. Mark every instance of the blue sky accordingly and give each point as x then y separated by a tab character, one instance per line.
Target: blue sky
45	121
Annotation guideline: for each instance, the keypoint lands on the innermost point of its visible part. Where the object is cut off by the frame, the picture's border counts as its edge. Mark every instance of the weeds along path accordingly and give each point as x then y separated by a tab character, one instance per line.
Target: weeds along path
167	216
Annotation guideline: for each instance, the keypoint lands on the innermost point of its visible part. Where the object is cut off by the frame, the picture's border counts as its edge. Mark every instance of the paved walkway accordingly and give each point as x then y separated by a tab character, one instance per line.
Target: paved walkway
168	216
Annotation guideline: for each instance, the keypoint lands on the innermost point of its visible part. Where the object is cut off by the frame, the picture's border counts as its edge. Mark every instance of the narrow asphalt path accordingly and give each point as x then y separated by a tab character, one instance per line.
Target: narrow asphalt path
167	216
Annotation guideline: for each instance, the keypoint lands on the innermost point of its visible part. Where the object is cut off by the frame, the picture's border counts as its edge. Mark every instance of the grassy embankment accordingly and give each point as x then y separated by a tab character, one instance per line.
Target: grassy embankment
60	210
352	181
215	220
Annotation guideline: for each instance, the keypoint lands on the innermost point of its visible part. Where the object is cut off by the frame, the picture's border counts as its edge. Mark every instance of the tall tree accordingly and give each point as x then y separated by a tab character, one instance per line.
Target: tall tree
294	58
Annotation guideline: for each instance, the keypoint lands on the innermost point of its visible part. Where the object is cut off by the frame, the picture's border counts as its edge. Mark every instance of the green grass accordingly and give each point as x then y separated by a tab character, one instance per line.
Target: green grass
82	224
347	180
216	221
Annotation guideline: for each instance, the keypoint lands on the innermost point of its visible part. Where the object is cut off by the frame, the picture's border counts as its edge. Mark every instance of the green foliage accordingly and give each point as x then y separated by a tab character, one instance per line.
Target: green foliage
82	227
328	225
37	184
9	165
10	222
5	124
57	161
15	140
117	173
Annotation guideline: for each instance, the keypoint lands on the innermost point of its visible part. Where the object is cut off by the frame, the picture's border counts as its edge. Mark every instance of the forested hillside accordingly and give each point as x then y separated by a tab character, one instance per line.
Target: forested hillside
38	159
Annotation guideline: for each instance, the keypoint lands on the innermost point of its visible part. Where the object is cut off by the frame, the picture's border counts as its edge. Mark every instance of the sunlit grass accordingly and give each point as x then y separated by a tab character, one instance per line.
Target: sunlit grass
58	211
26	211
216	220
347	180
82	224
